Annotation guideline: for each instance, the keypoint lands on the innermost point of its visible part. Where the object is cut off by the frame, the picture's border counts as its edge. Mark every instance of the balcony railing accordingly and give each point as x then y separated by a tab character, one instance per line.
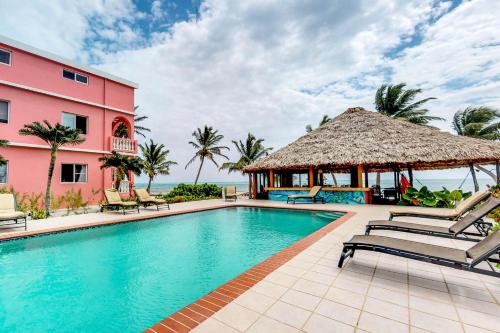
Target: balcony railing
124	186
123	144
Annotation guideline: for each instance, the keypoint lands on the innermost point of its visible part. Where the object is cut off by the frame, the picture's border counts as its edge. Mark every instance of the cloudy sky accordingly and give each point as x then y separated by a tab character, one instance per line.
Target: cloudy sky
269	67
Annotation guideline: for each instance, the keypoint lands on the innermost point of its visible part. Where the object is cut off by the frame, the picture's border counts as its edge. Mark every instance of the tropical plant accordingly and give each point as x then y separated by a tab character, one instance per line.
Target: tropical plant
323	121
3	143
122	165
206	145
138	129
155	161
477	122
438	199
190	192
55	136
250	151
397	102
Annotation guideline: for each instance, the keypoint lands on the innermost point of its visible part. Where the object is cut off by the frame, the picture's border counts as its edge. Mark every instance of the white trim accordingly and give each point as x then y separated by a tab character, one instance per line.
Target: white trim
48	93
35	145
10	62
27	48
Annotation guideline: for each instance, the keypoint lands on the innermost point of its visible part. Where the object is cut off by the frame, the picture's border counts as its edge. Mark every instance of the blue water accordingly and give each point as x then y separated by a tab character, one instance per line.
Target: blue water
127	277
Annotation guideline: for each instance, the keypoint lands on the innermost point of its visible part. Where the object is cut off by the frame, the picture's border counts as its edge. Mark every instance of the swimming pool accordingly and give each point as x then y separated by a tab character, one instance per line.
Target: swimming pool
127	277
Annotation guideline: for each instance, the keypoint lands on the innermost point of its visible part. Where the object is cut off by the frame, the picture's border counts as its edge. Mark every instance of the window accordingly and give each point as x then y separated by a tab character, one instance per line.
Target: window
70	75
4	112
5	57
73	173
75	122
3	173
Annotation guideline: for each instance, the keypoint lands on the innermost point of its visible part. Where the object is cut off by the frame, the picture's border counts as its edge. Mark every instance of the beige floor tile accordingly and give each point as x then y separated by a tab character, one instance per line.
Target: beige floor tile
345	297
437	276
339	312
388	295
281	278
479	319
269	289
300	299
320	324
359	266
376	324
255	301
293	271
439	309
430	294
288	314
325	279
387	310
213	326
476	305
474	329
236	316
478	294
328	270
460	281
268	325
390	284
414	329
391	275
429	284
433	323
313	288
300	264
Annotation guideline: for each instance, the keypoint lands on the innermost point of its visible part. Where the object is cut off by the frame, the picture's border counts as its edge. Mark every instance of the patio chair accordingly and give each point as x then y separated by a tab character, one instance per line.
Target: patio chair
439	255
441	213
10	217
145	199
312	195
113	200
230	193
457	230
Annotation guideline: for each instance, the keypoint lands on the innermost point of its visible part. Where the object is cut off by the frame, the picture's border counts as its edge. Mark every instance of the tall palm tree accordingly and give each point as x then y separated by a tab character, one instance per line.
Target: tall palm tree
55	136
206	145
396	101
3	143
138	129
477	122
155	160
123	166
250	151
323	121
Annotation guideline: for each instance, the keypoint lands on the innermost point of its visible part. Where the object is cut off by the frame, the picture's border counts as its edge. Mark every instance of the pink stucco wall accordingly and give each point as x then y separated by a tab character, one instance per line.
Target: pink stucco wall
27	165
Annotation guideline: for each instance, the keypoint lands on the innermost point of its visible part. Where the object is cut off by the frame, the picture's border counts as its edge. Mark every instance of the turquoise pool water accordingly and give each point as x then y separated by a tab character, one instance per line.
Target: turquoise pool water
127	277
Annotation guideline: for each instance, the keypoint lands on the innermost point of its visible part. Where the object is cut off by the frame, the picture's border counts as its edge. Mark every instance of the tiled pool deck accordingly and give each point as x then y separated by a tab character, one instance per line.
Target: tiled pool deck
301	289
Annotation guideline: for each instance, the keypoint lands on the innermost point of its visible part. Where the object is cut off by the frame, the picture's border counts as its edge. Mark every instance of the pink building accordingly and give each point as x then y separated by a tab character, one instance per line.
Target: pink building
35	86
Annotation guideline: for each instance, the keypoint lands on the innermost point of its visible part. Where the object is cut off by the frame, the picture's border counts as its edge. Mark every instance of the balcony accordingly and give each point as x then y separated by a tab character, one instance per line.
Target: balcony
123	145
125	186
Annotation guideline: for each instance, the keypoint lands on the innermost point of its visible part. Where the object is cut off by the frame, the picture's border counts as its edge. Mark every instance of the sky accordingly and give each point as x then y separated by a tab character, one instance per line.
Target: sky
270	67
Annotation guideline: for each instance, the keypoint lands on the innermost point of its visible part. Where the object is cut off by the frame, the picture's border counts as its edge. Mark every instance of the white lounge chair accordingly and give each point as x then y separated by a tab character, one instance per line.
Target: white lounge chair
9	212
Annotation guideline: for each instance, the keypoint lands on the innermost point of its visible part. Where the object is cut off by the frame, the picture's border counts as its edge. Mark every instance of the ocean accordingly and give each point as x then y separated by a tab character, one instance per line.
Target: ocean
432	184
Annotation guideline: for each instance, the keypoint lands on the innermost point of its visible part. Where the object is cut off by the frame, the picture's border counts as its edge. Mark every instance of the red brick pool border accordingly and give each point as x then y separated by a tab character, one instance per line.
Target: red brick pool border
192	315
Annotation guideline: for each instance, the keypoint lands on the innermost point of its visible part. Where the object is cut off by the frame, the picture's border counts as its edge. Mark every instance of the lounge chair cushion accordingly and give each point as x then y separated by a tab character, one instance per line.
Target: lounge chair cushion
415	226
471	201
482	249
312	193
10	215
410	246
427	211
144	197
7	202
113	197
127	203
230	191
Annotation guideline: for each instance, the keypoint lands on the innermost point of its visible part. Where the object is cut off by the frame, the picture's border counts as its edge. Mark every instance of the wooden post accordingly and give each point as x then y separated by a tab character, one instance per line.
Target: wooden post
360	176
254	186
366	177
271	178
410	174
311	179
474	179
497	165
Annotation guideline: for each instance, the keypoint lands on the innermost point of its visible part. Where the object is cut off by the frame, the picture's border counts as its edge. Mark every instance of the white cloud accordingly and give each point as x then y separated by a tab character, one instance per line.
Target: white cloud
241	65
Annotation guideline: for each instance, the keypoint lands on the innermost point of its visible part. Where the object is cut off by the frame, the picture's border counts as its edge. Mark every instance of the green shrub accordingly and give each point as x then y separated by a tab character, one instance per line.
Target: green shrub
439	199
189	192
38	214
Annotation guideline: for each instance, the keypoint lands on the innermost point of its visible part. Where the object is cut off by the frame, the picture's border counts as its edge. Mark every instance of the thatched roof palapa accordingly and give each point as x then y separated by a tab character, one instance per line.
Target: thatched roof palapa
361	137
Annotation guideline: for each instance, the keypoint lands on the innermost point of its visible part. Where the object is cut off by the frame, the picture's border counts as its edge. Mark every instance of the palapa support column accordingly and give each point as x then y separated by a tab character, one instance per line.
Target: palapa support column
360	176
497	167
254	186
410	174
271	178
474	178
366	177
311	177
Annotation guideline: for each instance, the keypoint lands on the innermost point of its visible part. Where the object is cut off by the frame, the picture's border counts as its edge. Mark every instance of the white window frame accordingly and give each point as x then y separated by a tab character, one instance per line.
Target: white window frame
6	173
74	182
10	62
8	111
79	115
76	73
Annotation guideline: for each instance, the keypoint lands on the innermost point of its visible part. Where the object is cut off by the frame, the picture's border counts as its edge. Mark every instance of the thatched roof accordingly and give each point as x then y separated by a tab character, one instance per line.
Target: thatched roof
371	139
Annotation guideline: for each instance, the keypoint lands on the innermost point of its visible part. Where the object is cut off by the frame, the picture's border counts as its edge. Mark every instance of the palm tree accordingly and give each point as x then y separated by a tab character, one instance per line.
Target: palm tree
477	122
55	136
155	160
250	151
3	143
123	166
205	143
397	102
323	121
137	128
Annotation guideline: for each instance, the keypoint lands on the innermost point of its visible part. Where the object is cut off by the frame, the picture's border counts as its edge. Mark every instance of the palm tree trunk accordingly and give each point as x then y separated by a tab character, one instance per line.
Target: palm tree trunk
149	184
53	156
199	170
334	179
